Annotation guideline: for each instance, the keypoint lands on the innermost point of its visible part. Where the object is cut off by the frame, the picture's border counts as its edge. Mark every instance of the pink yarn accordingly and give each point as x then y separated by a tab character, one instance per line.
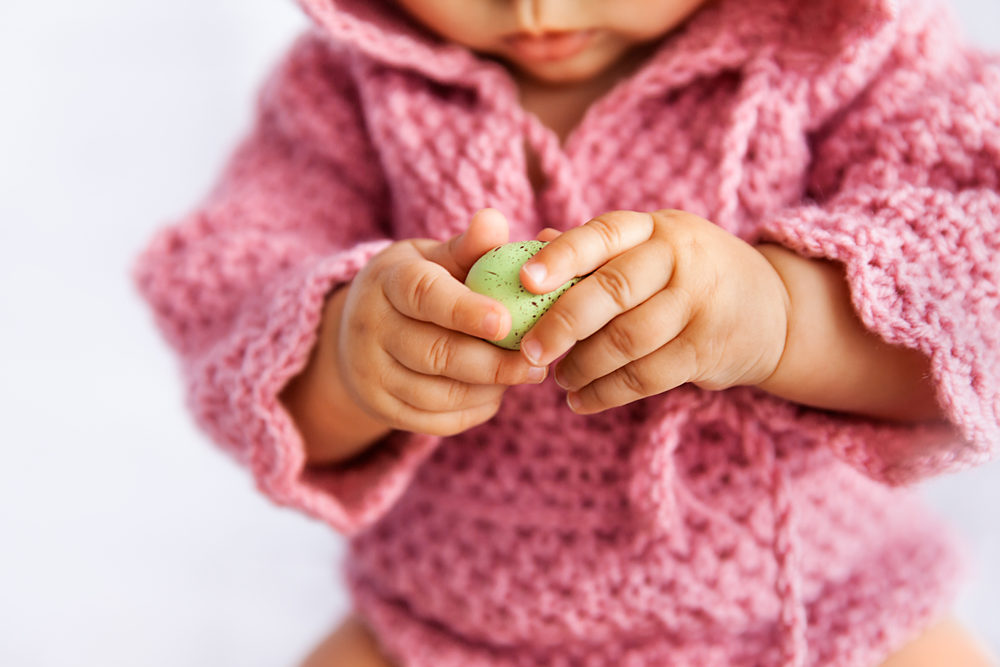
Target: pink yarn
691	528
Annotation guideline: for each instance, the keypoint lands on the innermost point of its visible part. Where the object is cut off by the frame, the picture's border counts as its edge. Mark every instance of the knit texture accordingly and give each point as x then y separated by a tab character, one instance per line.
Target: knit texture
691	528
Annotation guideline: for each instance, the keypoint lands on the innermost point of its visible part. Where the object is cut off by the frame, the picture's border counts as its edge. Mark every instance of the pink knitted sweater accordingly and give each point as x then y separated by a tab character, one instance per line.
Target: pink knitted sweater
691	528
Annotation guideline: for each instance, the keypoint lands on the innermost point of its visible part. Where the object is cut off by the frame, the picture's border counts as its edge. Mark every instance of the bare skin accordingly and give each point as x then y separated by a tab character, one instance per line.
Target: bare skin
350	645
400	348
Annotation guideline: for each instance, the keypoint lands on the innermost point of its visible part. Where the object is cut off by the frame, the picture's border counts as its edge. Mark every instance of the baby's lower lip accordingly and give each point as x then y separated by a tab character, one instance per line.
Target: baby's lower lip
550	46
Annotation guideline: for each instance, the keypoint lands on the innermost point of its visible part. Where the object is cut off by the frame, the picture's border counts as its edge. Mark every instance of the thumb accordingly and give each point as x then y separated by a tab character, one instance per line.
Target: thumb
487	229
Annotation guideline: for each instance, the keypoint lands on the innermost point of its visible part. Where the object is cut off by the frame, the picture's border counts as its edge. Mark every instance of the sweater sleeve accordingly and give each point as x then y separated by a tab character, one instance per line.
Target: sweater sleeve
905	193
238	286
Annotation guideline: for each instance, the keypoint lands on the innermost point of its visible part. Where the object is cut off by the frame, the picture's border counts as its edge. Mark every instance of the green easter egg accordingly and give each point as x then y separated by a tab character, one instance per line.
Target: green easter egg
496	274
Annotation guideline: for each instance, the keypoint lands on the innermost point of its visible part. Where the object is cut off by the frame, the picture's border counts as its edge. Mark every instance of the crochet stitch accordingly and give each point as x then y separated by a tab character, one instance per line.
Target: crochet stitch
691	528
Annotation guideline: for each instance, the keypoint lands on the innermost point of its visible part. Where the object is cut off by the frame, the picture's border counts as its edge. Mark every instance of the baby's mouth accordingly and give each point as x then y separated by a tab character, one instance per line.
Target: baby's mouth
549	46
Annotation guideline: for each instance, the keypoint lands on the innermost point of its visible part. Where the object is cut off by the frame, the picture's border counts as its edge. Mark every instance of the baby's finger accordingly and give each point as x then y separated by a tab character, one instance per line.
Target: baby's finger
630	336
668	367
620	285
548	234
451	423
402	415
433	393
429	349
580	250
487	229
426	291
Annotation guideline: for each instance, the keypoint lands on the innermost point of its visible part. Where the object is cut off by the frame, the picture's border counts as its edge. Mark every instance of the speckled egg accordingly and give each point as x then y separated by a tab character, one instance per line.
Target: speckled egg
496	274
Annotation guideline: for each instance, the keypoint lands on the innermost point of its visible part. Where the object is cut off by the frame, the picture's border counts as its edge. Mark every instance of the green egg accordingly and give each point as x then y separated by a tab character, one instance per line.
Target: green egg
496	274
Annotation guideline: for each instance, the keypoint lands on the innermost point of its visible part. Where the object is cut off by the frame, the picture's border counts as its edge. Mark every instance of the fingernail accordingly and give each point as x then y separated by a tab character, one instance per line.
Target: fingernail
560	380
573	401
536	374
532	350
536	272
491	324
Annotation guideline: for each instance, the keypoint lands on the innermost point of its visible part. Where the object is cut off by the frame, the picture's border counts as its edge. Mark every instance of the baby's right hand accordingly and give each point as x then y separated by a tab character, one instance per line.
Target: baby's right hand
410	351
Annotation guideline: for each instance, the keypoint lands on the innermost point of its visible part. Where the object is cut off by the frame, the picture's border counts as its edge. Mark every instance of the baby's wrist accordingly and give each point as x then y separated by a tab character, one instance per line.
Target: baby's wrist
333	426
776	256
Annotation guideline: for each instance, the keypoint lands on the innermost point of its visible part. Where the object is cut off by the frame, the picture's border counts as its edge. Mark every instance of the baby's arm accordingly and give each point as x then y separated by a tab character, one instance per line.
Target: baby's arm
400	349
831	360
674	298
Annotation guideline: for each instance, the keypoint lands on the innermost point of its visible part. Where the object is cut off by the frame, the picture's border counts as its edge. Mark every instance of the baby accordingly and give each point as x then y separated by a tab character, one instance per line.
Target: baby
789	211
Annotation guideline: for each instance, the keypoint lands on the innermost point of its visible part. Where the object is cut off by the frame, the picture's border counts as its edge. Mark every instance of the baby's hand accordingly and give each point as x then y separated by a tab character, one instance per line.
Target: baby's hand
674	299
410	350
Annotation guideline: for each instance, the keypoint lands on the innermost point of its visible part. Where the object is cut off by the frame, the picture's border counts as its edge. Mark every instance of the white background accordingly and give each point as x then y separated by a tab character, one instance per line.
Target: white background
125	538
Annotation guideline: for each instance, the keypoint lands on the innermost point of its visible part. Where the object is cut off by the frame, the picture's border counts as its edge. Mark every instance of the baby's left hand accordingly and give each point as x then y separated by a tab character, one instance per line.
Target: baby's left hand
673	298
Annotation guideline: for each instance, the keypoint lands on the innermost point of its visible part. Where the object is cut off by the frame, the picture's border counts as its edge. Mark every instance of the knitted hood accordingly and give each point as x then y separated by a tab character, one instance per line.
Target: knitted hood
811	33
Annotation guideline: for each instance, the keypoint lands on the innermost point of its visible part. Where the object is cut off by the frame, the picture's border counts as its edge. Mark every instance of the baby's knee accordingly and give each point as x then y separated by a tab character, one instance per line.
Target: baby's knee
946	643
350	644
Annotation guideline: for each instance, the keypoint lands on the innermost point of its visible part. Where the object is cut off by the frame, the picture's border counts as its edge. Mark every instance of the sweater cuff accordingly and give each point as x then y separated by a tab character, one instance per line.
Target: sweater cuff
235	395
912	290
